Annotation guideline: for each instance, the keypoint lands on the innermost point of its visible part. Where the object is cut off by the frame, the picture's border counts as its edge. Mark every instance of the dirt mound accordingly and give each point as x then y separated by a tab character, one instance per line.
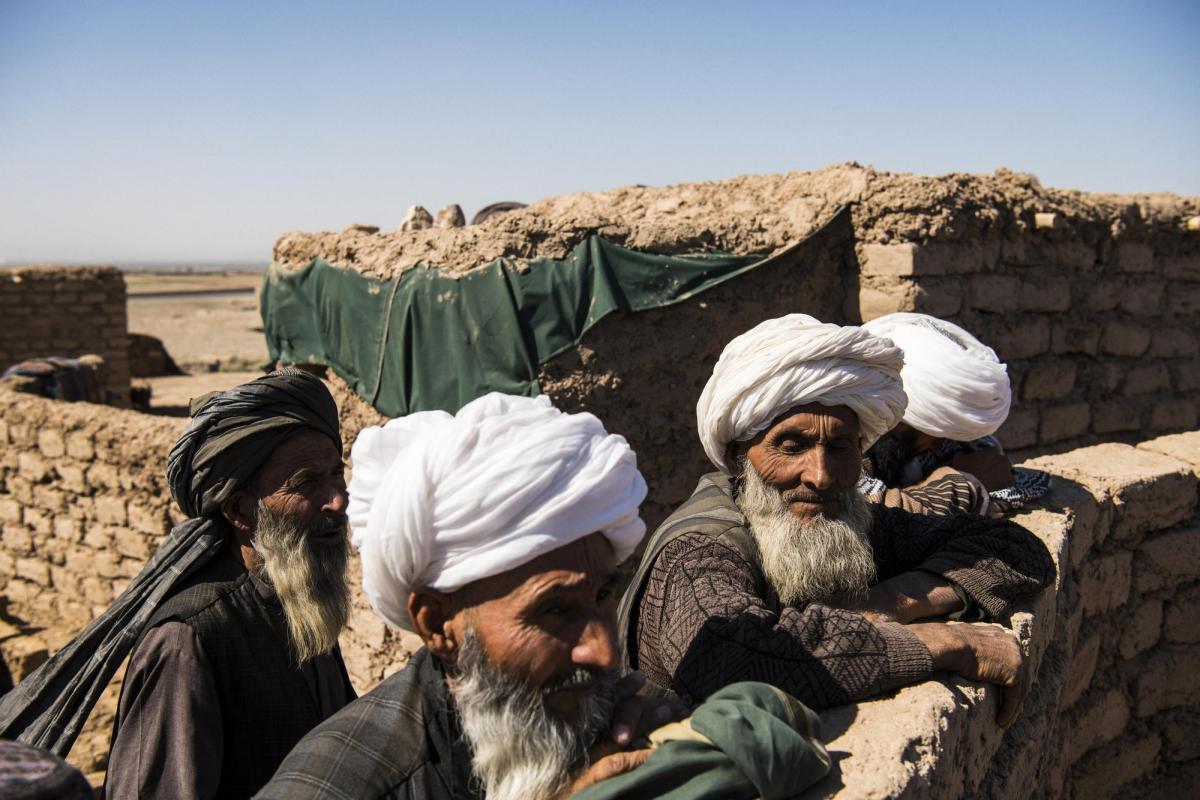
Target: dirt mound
747	214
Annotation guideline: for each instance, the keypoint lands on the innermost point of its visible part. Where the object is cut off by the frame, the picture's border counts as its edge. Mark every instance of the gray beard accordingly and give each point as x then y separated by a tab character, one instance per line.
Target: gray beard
520	751
808	561
310	581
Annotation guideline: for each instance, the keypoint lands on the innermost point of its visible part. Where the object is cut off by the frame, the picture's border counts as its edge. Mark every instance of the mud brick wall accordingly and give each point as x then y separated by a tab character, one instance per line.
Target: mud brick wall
1098	322
67	311
1115	649
83	504
1115	646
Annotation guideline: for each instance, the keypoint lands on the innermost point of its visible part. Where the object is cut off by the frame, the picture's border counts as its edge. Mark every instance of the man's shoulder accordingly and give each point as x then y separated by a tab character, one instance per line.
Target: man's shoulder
369	748
202	590
710	510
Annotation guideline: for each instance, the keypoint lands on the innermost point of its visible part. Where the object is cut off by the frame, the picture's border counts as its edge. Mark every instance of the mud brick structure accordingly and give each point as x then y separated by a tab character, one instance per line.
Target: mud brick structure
1091	299
1115	646
67	311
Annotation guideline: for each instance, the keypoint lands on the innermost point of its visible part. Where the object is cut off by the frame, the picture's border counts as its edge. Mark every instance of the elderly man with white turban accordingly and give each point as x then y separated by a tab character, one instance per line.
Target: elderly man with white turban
495	535
778	570
958	397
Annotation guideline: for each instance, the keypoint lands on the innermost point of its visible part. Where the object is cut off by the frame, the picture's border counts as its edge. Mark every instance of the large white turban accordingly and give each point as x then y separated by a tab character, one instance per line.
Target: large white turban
956	385
792	361
439	501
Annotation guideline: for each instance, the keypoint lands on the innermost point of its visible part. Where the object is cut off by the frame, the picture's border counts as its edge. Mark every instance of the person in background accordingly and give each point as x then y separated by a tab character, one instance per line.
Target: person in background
958	397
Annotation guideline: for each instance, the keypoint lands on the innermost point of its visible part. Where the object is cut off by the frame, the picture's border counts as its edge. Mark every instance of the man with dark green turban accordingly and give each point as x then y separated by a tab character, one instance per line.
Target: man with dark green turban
234	622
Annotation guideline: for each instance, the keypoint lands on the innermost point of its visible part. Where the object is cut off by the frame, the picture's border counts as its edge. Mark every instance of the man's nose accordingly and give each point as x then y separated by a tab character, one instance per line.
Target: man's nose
597	646
817	474
338	500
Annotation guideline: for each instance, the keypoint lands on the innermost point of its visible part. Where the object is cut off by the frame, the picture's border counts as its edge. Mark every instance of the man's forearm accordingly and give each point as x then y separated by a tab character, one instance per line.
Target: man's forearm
911	596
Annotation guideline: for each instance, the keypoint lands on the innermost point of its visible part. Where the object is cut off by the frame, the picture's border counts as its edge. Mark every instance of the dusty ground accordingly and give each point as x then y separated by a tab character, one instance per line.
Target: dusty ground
199	330
210	325
146	283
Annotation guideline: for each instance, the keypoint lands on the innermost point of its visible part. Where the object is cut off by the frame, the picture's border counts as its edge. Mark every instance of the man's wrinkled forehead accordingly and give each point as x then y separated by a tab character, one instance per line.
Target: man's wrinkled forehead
588	561
816	417
305	450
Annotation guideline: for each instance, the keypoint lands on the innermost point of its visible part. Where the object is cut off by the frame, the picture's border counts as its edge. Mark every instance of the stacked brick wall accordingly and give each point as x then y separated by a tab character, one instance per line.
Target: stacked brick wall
1114	708
1115	646
67	311
1098	323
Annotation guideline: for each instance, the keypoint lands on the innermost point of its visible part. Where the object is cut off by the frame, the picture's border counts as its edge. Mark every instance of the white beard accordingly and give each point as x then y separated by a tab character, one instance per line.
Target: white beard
820	560
520	751
309	580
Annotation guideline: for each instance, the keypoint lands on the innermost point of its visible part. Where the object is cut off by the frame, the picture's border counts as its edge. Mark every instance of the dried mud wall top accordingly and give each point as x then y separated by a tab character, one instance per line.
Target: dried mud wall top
748	214
66	311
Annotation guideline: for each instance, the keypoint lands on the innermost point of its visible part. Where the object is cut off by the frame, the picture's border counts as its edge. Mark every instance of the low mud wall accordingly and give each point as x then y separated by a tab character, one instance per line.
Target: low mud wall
67	311
1114	648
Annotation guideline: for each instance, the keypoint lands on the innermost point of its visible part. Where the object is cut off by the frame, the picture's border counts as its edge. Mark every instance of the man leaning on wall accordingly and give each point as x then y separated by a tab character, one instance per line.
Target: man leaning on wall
778	570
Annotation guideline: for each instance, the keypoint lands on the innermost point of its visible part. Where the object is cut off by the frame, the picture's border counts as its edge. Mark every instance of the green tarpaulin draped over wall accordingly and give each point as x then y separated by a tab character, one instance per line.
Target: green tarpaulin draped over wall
428	340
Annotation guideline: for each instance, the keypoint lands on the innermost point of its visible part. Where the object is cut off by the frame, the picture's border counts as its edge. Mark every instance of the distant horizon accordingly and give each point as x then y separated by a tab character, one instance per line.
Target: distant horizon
144	132
155	265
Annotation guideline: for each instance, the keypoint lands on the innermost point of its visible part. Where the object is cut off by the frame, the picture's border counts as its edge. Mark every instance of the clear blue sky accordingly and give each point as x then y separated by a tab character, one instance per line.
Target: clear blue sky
200	131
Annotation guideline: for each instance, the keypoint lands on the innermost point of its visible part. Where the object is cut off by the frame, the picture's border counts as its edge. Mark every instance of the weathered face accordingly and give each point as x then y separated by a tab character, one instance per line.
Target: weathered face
304	479
811	455
548	618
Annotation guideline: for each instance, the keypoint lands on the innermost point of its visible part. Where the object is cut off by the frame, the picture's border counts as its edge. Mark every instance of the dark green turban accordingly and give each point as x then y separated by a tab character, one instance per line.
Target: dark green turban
233	433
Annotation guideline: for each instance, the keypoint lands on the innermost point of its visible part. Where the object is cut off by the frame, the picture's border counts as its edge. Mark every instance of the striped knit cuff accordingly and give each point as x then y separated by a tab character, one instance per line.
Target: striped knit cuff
908	658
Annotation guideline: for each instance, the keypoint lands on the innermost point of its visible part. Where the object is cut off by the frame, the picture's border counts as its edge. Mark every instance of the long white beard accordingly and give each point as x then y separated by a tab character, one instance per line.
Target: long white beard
808	561
520	751
309	579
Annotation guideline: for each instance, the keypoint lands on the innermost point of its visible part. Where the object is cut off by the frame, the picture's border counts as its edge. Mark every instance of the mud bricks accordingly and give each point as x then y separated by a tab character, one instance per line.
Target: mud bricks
83	503
1114	648
67	311
1100	331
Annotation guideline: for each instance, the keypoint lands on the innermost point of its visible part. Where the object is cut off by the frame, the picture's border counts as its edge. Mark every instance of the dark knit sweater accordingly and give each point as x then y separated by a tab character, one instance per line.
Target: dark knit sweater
700	616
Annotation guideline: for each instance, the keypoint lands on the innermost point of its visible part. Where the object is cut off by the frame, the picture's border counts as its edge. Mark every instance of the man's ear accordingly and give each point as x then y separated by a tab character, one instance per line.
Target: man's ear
241	509
431	613
733	460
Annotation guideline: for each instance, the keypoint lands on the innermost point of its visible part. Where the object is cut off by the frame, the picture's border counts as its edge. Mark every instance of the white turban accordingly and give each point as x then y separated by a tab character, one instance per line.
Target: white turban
439	501
792	361
956	385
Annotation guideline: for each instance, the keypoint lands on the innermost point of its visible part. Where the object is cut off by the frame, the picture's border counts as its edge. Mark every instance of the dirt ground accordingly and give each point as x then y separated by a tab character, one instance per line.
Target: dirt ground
210	325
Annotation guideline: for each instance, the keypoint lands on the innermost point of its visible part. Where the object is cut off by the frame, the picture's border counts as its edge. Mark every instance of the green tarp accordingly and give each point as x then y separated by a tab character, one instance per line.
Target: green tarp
429	340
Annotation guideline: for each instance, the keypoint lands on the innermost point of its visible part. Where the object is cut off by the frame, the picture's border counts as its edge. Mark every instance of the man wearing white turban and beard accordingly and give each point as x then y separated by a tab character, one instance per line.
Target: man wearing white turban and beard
958	396
495	534
777	569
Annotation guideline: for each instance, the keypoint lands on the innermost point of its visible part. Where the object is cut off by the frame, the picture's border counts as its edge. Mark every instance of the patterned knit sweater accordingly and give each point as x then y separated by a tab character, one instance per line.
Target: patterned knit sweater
703	621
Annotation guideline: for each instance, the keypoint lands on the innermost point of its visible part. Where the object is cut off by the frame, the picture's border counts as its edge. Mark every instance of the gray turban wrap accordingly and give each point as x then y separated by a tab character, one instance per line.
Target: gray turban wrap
231	434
